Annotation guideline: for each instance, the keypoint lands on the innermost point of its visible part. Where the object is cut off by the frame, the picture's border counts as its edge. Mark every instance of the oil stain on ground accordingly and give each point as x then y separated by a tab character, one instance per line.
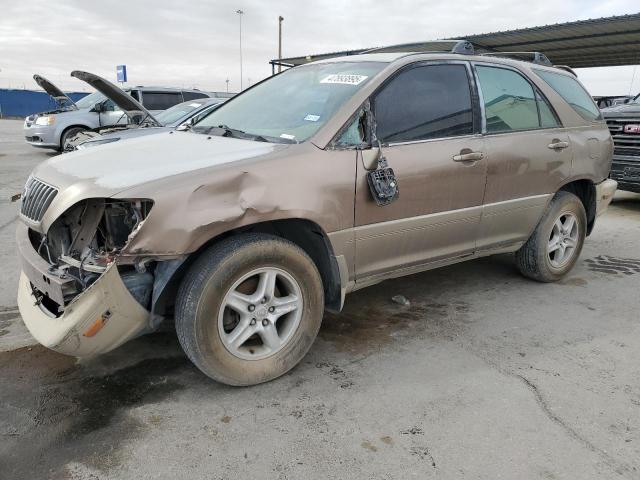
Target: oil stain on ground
362	327
56	411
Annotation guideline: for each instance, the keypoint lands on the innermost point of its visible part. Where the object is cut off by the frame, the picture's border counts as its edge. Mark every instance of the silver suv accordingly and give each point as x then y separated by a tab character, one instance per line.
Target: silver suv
52	129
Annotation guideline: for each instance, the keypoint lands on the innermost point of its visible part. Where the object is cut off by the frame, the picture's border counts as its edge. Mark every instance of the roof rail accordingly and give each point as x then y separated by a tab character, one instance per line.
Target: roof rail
462	47
535	57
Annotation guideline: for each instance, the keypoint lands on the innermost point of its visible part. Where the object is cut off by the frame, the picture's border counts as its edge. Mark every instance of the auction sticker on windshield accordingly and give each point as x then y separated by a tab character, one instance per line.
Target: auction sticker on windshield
344	79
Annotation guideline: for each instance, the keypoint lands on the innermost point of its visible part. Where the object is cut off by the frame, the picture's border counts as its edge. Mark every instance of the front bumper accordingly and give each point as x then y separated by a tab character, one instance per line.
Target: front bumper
604	194
41	136
101	318
626	171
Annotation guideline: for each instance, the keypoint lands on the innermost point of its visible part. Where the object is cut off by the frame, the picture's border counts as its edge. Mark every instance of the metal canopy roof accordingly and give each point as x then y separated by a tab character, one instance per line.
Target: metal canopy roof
586	43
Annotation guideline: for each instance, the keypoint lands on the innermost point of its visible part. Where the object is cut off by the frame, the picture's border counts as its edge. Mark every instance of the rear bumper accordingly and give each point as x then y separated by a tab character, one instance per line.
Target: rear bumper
604	194
101	318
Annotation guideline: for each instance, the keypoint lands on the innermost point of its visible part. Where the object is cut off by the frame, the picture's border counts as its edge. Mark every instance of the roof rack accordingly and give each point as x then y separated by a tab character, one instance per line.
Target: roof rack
462	47
535	57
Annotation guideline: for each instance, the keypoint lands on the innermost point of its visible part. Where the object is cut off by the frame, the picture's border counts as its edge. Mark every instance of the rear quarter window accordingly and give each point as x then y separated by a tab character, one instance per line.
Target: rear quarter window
573	93
160	100
193	95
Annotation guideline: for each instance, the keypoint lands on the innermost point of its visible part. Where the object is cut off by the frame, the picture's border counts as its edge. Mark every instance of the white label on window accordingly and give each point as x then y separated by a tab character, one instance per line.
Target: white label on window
345	79
287	136
312	118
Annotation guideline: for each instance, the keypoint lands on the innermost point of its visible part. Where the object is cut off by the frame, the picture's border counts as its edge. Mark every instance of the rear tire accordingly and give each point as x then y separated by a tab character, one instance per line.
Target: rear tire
555	245
235	338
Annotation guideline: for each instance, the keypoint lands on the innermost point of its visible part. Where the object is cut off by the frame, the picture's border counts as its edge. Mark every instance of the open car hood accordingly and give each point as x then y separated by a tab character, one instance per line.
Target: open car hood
134	110
58	95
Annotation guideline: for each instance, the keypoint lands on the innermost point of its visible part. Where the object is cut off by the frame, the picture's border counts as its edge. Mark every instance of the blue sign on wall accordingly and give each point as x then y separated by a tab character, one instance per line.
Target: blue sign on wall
121	73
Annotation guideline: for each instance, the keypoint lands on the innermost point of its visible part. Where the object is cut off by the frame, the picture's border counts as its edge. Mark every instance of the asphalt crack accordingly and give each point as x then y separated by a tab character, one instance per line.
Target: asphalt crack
619	467
555	418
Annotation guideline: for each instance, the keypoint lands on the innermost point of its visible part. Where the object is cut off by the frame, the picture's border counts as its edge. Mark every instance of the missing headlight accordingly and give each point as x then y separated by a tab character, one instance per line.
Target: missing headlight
89	236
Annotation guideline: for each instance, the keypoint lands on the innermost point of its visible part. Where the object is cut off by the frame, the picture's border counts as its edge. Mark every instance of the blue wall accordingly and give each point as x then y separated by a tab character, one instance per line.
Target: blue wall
20	103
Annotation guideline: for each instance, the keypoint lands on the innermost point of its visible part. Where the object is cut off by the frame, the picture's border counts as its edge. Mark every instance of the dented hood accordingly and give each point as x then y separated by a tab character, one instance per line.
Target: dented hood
58	95
112	168
126	102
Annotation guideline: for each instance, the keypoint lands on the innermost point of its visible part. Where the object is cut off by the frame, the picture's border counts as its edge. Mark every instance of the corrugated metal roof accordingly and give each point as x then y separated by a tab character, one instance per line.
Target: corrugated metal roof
586	43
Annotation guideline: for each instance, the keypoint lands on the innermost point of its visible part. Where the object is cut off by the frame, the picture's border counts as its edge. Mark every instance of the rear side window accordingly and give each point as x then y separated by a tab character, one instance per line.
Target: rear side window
548	118
574	93
431	101
160	100
192	95
511	103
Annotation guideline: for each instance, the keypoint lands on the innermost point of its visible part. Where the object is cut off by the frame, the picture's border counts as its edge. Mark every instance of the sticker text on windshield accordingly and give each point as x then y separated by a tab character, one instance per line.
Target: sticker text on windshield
344	79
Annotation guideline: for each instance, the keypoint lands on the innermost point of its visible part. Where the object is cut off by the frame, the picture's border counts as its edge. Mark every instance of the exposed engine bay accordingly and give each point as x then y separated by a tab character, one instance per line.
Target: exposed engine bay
84	241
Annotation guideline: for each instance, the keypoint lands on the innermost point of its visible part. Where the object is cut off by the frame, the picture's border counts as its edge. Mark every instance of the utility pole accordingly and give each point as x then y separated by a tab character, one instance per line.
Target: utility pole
227	82
280	19
240	13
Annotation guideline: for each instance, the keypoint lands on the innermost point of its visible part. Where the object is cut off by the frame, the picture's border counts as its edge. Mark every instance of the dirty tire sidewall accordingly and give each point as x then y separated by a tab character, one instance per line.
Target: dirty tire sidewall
202	293
532	258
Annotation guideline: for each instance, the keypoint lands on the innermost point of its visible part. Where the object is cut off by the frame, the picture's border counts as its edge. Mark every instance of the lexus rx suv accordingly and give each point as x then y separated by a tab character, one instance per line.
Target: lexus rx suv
316	182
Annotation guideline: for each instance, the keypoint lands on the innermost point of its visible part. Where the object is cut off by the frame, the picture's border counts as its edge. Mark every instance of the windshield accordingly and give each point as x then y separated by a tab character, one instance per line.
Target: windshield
90	100
178	112
294	105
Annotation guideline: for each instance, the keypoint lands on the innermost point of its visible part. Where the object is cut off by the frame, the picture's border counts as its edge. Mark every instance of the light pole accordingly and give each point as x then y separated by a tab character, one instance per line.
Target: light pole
227	82
240	13
280	19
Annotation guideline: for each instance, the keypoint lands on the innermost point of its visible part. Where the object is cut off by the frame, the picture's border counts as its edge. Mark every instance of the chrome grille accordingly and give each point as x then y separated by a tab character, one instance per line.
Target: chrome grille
626	144
36	198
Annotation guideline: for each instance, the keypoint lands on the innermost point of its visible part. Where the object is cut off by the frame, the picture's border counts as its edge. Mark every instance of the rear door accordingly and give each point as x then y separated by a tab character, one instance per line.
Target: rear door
529	154
428	124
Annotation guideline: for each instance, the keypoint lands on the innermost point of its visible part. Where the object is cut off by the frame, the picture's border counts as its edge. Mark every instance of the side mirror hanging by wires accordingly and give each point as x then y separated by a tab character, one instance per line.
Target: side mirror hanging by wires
382	181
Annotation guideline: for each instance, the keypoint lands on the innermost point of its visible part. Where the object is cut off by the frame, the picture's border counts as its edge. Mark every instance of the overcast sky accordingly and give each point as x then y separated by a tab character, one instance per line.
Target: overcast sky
196	43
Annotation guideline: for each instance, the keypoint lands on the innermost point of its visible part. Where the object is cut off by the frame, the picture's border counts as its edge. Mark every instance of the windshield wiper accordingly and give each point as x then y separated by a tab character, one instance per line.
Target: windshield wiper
234	132
226	131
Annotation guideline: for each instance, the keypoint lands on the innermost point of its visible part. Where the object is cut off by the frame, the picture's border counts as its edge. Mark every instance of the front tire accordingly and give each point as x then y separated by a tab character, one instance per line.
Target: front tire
68	135
249	309
555	245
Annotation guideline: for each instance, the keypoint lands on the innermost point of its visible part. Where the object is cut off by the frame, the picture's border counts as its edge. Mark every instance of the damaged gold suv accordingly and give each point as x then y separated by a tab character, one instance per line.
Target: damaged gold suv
319	181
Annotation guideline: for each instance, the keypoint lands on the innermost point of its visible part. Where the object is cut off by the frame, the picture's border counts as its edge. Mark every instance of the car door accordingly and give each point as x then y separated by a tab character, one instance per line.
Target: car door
529	154
428	124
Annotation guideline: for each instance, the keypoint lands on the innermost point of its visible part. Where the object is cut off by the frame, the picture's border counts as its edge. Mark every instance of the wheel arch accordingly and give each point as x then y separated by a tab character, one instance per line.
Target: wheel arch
585	190
69	127
306	234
